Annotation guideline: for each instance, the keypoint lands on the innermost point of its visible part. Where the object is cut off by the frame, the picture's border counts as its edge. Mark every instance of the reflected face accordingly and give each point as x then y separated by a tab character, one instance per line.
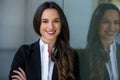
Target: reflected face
109	25
50	25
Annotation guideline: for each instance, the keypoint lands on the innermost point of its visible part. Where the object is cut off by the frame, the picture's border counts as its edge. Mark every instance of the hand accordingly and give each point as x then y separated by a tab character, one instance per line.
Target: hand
20	75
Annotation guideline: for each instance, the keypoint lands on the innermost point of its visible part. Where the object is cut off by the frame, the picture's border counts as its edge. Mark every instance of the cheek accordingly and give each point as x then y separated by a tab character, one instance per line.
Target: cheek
100	33
59	29
101	29
117	29
41	29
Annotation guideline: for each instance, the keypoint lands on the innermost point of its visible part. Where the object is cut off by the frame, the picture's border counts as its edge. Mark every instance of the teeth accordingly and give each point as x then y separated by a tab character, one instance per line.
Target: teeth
110	33
50	32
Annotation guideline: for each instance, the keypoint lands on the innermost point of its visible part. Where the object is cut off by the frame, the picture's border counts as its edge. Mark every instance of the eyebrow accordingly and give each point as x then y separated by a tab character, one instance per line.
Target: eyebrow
108	19
47	19
104	19
57	18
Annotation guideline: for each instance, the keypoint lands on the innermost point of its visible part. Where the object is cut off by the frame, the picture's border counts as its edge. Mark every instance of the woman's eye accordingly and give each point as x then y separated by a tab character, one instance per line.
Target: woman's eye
44	21
104	21
56	21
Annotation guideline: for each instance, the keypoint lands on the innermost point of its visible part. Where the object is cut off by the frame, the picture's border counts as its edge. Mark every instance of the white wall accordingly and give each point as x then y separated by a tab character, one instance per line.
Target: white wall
78	14
12	23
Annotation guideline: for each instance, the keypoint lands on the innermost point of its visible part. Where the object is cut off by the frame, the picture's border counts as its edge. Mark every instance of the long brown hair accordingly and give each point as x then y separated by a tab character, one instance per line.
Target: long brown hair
62	54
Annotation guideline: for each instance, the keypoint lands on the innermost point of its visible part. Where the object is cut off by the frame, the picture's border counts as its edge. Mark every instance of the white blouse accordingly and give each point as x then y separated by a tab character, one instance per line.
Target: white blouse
46	63
112	63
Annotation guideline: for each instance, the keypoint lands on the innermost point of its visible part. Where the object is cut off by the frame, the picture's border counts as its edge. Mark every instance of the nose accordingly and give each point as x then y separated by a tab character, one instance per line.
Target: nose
51	25
111	26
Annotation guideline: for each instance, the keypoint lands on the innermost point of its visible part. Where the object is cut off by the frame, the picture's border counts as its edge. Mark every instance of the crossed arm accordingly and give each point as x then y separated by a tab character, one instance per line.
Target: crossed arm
20	75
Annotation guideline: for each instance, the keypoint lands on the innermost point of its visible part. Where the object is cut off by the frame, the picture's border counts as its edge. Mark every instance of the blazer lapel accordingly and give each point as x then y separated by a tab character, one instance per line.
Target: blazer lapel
55	73
118	59
36	61
106	74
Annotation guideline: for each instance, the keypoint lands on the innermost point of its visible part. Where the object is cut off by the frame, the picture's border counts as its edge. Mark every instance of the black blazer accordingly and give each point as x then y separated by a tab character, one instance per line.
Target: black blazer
28	58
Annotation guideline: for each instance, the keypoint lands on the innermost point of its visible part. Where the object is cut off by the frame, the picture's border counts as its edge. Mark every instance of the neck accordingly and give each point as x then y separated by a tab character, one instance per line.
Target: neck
50	47
106	45
50	43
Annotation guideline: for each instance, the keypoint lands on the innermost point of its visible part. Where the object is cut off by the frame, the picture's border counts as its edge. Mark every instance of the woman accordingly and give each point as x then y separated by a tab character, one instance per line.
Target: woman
102	50
51	57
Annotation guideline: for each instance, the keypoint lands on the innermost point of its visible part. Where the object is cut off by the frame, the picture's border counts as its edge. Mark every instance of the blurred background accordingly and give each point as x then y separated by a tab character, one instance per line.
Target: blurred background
16	26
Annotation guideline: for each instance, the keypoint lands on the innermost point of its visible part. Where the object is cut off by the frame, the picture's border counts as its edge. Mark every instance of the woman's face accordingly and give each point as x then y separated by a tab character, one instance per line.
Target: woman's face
50	25
109	26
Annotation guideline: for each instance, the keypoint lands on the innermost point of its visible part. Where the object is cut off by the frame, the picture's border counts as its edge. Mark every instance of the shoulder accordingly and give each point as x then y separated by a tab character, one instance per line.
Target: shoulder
25	49
118	45
29	46
22	49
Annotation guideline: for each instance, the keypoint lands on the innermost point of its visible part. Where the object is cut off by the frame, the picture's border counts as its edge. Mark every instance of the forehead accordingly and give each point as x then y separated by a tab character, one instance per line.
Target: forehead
50	13
111	14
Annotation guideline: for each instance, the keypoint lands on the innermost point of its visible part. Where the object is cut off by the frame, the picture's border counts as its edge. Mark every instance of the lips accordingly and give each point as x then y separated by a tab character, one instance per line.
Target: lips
110	33
51	32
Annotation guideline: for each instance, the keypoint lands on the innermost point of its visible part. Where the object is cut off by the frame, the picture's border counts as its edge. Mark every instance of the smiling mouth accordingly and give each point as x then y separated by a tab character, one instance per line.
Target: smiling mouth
110	33
50	32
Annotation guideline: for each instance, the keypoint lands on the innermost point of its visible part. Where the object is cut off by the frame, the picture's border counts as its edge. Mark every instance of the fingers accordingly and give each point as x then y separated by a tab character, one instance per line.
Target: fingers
16	77
20	75
23	73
